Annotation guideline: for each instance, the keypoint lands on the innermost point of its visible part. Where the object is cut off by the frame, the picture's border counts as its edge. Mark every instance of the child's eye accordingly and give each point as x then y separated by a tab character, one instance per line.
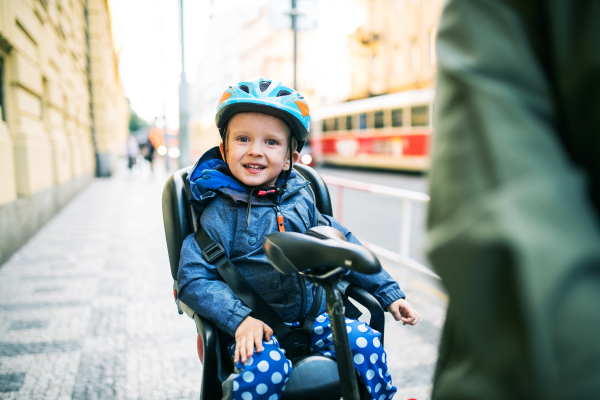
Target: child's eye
243	139
271	142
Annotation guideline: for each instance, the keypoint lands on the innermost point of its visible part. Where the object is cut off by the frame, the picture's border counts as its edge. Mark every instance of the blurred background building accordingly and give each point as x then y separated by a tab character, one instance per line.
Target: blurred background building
64	115
394	50
360	49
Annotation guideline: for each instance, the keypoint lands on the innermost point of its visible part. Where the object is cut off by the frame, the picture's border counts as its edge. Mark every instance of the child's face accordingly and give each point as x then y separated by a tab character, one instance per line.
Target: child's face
257	148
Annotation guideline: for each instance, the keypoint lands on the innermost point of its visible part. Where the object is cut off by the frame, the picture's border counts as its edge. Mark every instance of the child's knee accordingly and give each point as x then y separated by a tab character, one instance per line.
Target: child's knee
264	374
271	360
363	338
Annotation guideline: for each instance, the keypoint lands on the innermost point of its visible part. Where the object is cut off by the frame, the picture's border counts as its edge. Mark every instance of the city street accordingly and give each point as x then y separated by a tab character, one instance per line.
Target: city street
376	218
86	307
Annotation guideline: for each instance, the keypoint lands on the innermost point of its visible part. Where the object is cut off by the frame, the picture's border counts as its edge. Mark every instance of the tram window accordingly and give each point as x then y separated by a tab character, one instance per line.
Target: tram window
419	116
379	119
324	125
335	124
362	121
349	122
397	117
331	124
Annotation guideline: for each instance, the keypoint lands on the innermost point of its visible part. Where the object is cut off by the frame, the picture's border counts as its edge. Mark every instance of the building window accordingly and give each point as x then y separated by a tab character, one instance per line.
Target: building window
432	38
349	122
2	102
324	126
362	121
419	116
415	57
379	119
335	124
397	117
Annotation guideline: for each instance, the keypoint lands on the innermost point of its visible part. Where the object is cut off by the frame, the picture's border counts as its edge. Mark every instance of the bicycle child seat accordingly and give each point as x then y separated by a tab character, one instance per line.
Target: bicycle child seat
313	376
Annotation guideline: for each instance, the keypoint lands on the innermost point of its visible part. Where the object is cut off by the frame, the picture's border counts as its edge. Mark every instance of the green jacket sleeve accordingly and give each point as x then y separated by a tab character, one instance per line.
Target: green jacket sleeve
513	231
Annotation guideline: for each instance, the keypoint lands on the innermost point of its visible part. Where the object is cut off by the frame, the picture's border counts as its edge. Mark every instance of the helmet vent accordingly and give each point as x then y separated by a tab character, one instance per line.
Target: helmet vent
283	93
264	85
244	88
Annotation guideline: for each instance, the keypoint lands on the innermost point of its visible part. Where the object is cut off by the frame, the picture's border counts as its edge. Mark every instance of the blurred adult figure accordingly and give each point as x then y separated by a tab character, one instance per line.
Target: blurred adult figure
148	153
133	150
514	228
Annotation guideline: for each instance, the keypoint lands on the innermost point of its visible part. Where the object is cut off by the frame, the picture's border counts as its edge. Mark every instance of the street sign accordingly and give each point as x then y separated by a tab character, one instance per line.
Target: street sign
307	14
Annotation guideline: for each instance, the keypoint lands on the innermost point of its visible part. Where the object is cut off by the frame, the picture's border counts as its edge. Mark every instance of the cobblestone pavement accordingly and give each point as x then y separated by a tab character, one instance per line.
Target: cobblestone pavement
86	309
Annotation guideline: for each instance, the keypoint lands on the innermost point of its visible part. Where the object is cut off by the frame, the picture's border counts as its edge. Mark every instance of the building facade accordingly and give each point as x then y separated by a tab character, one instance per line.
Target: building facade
394	50
63	112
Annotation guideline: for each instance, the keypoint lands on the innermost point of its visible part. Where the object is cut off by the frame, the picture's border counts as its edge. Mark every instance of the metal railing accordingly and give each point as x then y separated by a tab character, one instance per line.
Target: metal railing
408	197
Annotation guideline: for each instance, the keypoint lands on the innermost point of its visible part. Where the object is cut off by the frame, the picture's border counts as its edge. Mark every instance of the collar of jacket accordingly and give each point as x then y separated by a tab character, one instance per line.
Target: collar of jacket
213	176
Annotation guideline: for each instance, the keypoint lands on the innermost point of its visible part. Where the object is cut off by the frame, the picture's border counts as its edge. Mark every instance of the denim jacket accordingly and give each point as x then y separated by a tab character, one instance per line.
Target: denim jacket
225	220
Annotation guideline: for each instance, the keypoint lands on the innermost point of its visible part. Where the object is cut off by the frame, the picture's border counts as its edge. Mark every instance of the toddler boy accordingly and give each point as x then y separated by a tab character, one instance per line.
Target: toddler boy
247	195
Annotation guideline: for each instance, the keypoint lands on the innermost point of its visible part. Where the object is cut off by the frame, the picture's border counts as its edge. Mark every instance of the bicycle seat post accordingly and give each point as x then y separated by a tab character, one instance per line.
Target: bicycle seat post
335	309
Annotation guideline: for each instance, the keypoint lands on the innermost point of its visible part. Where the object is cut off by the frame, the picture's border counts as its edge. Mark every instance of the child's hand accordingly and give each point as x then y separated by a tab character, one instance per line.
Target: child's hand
403	311
249	334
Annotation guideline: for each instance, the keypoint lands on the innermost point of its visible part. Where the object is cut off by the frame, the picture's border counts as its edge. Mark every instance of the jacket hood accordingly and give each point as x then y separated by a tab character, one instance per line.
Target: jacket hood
211	175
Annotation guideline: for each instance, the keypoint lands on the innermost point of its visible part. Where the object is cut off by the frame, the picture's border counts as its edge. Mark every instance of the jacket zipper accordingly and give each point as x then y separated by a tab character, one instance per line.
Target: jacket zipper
280	224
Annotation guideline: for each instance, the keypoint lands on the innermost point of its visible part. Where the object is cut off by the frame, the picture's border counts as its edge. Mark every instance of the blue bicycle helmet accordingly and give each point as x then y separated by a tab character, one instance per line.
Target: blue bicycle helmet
267	97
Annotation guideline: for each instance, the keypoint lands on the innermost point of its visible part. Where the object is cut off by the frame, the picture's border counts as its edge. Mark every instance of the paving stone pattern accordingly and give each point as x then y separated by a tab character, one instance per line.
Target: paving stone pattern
86	308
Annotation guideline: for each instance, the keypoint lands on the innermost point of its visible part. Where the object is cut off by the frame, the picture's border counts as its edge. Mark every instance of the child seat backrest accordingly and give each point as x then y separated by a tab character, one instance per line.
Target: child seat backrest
179	216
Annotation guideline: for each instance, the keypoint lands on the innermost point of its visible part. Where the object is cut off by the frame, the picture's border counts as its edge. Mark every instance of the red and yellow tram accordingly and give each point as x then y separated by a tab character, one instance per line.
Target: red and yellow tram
390	131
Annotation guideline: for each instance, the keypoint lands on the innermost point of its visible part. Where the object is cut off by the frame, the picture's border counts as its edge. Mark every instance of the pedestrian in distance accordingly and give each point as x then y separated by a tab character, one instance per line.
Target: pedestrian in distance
132	150
148	153
248	193
514	218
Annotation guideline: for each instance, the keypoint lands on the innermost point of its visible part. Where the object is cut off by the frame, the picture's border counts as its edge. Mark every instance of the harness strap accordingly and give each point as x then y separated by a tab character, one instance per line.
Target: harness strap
313	313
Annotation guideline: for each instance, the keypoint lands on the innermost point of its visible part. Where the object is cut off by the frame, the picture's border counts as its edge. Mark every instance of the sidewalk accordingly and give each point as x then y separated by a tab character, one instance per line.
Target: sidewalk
86	308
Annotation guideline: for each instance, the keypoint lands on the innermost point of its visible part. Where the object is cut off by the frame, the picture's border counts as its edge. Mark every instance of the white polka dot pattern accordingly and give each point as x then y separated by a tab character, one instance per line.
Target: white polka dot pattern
263	366
276	378
248	376
265	374
261	388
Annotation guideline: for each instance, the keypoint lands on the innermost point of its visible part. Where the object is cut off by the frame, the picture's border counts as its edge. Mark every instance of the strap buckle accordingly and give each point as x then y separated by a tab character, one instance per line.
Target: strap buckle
213	251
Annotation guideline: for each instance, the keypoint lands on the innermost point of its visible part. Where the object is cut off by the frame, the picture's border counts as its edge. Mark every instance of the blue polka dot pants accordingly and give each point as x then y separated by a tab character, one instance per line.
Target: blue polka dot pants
264	375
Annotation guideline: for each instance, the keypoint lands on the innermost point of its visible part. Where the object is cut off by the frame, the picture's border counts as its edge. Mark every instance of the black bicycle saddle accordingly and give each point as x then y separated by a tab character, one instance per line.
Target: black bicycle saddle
321	248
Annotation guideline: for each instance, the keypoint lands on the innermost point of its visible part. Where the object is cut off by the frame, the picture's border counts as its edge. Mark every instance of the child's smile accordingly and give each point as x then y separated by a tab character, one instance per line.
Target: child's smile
257	148
254	168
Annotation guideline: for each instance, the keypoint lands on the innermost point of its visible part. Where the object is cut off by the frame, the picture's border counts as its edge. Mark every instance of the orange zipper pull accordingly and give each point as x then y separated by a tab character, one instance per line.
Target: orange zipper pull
279	220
